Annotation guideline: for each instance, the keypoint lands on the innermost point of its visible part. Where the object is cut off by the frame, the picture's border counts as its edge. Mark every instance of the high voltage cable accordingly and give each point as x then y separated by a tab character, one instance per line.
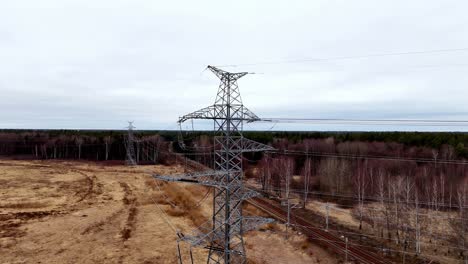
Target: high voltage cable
366	198
371	236
302	153
379	248
446	239
403	69
344	121
338	155
293	217
198	204
350	156
357	244
165	217
347	57
367	208
374	157
405	252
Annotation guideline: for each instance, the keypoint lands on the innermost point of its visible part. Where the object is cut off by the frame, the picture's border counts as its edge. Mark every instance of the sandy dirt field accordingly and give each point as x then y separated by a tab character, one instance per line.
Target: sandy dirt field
78	212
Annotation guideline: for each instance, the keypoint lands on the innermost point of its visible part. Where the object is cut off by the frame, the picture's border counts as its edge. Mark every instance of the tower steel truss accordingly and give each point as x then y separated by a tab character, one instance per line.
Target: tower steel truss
130	145
223	234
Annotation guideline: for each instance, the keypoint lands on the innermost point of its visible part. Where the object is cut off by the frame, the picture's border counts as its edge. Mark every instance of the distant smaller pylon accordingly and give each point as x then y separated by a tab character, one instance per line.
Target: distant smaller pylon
130	145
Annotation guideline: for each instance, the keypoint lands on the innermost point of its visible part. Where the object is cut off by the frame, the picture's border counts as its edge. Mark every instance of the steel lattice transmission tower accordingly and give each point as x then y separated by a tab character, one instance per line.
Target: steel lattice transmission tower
223	234
130	144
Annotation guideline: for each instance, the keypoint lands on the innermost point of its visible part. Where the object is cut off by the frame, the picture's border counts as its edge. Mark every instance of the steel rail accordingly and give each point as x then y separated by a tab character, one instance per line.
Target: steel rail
328	239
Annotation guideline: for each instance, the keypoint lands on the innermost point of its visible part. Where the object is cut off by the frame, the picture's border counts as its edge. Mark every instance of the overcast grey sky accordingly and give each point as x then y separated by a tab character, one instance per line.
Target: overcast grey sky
97	64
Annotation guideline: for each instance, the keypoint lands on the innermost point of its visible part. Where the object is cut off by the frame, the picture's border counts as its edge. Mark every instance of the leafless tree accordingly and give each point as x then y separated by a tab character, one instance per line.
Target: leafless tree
334	174
442	189
460	224
435	154
107	141
417	224
360	185
396	187
265	173
382	191
435	194
79	142
287	172
306	171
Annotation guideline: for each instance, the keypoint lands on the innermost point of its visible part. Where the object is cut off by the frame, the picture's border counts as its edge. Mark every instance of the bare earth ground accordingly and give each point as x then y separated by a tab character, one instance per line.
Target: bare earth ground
77	212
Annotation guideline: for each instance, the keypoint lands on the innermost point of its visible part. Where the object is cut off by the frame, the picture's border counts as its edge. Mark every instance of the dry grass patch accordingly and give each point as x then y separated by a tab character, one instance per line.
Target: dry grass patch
182	203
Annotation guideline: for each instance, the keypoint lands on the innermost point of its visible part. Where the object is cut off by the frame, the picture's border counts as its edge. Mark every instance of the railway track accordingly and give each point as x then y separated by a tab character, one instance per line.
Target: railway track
335	243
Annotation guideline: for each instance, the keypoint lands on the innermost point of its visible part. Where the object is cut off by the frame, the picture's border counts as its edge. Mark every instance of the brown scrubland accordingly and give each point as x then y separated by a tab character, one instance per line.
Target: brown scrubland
86	212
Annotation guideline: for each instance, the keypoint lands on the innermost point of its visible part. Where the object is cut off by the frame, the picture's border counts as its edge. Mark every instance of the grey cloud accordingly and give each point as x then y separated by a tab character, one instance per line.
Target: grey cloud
88	64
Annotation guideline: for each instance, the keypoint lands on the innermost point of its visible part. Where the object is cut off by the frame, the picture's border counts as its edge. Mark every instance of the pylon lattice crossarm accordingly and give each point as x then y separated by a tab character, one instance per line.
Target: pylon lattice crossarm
213	112
253	222
205	234
247	194
244	144
206	178
202	236
254	146
222	74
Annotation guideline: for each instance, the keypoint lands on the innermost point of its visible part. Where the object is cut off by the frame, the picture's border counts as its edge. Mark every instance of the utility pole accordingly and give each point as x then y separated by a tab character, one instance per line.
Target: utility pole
288	223
130	145
288	220
222	235
306	176
327	207
346	241
418	228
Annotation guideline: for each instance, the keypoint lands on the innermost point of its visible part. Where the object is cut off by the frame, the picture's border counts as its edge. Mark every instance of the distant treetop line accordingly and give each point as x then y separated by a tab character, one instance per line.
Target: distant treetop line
426	139
20	137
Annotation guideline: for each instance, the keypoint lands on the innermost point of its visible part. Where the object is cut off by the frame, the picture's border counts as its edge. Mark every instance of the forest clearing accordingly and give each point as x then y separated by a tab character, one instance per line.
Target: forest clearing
91	212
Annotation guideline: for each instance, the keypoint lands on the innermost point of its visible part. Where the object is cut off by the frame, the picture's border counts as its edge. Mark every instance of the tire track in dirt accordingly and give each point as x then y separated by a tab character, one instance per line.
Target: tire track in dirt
130	201
99	225
30	215
130	210
10	229
90	182
10	223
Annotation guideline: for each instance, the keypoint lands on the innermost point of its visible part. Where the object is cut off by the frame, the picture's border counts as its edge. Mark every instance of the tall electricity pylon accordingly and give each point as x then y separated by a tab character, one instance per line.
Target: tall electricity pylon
130	144
223	234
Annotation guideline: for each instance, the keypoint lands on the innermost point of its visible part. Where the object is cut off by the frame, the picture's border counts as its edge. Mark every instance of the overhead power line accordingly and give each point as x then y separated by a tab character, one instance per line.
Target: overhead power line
374	157
388	54
379	122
